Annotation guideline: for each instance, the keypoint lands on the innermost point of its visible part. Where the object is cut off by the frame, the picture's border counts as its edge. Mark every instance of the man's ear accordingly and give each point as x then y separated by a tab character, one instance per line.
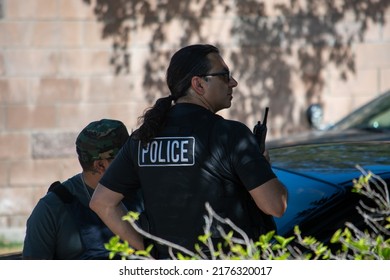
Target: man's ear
197	84
99	166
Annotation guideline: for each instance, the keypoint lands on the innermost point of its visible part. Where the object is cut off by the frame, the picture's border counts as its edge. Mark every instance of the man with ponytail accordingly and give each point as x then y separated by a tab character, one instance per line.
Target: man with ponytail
184	155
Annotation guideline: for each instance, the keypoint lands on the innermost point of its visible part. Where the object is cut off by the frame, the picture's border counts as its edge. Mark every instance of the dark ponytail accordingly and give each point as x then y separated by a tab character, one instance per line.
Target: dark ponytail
153	119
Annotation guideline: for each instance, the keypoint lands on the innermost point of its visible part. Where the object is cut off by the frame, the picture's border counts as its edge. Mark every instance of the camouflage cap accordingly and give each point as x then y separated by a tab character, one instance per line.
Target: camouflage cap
101	140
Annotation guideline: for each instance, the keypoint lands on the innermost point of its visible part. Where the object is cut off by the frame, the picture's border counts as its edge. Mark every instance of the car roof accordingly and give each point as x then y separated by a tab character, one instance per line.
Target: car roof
329	136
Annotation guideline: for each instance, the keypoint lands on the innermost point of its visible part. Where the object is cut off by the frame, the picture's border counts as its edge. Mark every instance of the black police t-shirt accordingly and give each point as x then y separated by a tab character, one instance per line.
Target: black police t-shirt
199	157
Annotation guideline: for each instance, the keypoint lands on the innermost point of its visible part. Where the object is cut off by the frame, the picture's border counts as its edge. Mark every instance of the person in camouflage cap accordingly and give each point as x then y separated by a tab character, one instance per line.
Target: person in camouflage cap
62	226
100	140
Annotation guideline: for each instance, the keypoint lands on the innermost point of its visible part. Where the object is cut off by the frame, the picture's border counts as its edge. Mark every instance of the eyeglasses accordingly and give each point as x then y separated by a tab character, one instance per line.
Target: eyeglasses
227	75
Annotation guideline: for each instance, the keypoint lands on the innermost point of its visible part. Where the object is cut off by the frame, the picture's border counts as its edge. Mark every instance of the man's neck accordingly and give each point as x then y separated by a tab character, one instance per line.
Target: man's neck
195	100
91	179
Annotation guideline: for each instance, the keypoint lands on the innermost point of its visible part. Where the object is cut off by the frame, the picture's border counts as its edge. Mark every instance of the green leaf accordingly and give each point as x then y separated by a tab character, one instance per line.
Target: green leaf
203	238
336	236
131	216
385	253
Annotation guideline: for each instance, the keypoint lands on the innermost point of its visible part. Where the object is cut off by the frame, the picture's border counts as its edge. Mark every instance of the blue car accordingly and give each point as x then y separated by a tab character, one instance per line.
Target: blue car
319	181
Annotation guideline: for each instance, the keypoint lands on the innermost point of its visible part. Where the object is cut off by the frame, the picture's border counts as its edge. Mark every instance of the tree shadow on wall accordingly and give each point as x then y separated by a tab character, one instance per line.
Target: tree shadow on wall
296	40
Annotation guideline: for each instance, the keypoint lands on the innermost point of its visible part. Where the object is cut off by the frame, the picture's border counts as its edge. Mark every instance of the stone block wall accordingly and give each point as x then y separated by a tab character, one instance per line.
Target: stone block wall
55	78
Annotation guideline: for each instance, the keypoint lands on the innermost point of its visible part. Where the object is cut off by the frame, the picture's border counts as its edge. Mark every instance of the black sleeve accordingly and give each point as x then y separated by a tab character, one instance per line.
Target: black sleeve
243	153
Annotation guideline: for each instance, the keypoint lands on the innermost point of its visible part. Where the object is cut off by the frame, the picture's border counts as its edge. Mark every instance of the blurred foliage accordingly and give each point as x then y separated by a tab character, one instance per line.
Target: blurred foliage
9	247
269	44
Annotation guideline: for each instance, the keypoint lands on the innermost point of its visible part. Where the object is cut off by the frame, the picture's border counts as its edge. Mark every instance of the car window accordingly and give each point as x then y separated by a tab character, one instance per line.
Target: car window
380	121
374	115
